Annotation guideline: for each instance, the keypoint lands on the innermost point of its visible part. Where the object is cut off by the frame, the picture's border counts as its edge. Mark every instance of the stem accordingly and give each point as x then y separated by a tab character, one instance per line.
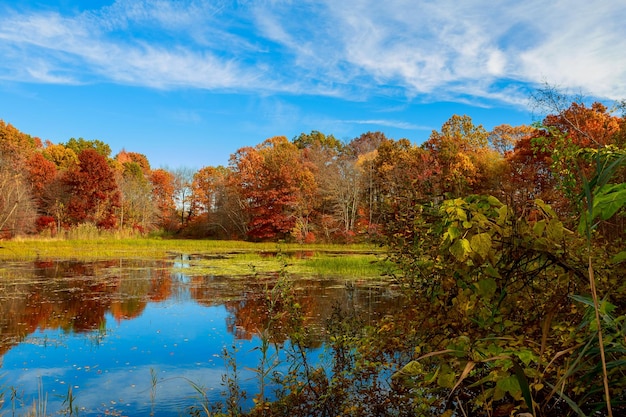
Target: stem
596	305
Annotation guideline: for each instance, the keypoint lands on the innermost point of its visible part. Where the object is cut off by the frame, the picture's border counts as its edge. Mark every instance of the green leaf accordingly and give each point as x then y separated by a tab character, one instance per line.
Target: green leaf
554	230
523	383
494	201
608	200
486	287
411	369
620	257
454	232
539	227
509	384
446	377
460	249
502	215
491	271
481	244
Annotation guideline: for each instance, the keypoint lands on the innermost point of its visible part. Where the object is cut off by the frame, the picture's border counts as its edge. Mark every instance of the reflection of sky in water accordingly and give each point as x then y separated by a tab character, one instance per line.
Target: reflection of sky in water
112	370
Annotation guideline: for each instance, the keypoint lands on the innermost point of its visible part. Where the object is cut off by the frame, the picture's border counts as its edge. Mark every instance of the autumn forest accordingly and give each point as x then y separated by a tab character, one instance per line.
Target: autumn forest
312	188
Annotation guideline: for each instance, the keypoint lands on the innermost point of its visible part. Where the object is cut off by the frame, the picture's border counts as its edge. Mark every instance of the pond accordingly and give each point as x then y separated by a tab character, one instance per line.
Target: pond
139	338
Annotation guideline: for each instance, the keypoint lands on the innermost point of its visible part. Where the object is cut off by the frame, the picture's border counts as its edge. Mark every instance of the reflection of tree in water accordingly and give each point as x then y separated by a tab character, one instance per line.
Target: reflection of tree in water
75	296
317	300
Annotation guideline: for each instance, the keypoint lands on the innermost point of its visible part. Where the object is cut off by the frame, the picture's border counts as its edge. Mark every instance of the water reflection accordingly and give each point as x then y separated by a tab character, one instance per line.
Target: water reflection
104	328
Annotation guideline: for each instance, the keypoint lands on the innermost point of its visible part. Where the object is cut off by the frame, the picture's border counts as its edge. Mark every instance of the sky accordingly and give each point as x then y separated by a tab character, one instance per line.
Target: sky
189	82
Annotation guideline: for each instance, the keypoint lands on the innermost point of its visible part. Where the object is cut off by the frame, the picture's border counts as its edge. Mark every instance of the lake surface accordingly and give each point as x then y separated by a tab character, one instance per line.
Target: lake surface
133	338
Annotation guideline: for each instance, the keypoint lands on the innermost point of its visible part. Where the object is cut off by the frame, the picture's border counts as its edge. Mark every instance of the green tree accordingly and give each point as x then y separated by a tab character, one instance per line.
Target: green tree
80	144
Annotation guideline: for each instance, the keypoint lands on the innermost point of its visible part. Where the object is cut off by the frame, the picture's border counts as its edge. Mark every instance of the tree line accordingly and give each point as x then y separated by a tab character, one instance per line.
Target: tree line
307	189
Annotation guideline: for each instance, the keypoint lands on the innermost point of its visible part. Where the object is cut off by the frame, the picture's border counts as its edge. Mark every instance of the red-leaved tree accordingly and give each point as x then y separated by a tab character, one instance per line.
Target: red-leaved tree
94	195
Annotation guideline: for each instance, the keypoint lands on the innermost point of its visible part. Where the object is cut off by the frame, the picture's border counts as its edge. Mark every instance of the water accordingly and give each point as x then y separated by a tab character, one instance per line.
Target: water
108	330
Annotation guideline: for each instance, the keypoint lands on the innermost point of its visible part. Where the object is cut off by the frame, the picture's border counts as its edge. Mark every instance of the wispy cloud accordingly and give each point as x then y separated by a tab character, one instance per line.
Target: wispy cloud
444	50
399	124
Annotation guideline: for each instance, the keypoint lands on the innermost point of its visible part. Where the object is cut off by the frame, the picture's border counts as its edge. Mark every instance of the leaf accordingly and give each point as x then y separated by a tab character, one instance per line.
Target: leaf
481	244
555	229
446	377
460	249
502	215
413	368
491	271
454	232
620	257
539	227
509	384
546	208
494	201
608	200
486	287
468	368
523	383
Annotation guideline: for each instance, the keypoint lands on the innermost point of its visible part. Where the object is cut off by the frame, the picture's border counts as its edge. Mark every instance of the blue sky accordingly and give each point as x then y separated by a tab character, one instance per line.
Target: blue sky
189	82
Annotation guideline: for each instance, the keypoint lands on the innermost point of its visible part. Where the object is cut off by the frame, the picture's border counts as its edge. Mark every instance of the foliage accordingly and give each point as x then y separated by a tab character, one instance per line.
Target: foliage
94	195
79	145
275	186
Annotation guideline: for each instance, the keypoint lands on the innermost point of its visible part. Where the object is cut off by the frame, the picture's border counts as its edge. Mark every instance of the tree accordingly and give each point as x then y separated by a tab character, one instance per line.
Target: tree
183	194
209	198
94	195
137	209
62	156
275	185
47	190
406	175
529	177
17	209
345	190
41	174
80	144
15	146
365	143
140	159
163	198
324	156
317	139
503	138
459	149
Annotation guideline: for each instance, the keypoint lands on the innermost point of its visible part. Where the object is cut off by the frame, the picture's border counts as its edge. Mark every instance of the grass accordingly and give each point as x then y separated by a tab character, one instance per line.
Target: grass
327	264
149	248
215	257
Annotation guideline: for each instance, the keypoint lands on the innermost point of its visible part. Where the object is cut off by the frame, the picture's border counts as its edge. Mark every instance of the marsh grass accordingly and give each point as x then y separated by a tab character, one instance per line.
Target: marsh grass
206	257
149	248
358	265
354	264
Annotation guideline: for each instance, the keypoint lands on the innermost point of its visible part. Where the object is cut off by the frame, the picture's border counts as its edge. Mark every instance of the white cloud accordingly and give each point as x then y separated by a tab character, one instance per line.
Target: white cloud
583	49
444	50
